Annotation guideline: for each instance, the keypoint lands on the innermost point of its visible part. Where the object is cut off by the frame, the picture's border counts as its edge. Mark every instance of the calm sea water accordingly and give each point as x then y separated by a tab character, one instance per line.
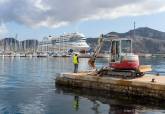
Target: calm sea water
27	86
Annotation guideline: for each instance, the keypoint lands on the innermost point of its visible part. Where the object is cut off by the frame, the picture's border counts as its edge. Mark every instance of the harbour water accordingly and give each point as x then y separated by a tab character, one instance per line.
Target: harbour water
27	86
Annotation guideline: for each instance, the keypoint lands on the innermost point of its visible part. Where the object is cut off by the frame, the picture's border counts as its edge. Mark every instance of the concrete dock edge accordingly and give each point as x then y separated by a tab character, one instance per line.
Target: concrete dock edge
138	87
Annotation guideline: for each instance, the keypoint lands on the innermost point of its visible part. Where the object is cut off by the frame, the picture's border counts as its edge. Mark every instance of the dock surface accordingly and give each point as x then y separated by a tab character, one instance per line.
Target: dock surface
142	86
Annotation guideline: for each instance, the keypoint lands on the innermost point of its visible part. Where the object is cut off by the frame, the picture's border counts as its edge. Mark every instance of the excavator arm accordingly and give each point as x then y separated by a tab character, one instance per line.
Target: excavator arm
91	61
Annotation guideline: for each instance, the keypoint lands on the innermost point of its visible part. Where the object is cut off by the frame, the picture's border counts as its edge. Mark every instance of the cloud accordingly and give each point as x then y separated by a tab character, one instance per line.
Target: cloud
56	13
3	29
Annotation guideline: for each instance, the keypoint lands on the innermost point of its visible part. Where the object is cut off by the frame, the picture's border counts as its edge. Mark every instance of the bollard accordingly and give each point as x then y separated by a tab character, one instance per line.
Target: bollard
153	80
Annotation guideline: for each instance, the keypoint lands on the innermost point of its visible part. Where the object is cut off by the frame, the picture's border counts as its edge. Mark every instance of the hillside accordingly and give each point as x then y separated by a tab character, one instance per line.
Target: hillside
146	40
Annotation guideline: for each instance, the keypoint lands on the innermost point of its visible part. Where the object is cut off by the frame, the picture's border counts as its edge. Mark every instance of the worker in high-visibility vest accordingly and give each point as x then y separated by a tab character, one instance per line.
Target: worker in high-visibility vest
75	62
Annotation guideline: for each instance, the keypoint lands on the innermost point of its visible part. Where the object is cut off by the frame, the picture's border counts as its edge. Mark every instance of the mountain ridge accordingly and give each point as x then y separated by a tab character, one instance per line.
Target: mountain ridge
145	40
142	32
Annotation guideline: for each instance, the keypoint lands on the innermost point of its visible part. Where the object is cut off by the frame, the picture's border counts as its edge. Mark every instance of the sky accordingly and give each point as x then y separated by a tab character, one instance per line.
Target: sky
35	19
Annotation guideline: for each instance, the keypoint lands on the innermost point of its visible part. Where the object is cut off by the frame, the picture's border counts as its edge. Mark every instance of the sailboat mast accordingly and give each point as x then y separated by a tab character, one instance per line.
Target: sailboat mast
15	43
134	30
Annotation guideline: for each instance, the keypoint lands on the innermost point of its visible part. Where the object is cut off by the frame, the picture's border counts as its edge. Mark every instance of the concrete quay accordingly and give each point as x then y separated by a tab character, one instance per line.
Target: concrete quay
142	86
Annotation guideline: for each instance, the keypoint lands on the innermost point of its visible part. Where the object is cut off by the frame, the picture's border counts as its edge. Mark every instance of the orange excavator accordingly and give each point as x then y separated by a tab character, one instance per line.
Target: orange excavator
123	63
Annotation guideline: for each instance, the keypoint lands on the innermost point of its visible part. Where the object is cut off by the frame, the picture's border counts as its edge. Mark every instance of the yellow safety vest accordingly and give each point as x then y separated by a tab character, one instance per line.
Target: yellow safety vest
75	59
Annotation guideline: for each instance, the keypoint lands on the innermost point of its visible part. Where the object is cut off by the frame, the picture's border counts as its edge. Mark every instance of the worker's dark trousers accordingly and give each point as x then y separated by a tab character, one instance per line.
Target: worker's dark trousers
75	68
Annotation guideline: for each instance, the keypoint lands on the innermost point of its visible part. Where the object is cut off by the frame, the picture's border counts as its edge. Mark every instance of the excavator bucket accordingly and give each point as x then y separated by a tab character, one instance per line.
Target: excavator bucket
91	63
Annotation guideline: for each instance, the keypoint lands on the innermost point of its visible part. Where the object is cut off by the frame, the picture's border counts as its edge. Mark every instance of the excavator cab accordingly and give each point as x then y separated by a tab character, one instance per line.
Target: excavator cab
121	55
119	48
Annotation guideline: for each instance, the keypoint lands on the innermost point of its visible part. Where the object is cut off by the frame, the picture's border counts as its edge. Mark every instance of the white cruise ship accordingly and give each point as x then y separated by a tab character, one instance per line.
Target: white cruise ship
75	41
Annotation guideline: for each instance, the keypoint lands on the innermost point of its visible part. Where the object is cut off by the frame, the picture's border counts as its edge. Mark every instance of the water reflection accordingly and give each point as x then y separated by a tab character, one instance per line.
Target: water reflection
76	103
95	106
118	103
119	109
27	86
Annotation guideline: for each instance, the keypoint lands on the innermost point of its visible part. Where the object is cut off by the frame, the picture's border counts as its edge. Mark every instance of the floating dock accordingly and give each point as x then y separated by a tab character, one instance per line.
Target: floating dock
146	86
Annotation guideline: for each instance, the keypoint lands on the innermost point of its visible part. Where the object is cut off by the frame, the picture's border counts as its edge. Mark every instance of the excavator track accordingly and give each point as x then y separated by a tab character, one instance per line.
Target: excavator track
124	74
